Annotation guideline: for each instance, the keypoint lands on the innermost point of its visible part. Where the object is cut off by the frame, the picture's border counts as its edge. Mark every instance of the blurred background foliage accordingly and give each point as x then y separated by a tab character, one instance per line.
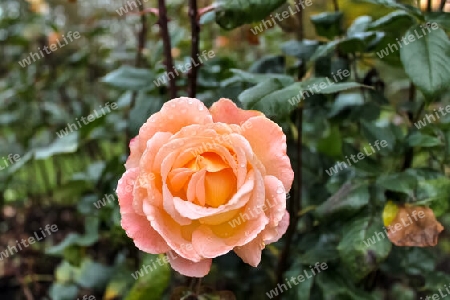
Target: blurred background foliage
58	180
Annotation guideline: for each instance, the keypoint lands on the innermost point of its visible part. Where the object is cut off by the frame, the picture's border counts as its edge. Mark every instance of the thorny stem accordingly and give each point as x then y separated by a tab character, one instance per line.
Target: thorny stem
409	153
192	75
296	201
138	60
167	45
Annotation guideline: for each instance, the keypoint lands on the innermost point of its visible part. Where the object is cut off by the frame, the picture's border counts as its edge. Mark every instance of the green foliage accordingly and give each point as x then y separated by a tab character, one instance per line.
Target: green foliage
349	93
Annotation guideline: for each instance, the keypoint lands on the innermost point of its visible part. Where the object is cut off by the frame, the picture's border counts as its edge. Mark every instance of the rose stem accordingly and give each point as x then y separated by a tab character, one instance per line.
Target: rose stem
192	75
138	60
167	45
296	200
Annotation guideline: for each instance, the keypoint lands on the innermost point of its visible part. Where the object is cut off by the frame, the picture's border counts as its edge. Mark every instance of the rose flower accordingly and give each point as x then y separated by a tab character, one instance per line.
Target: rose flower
200	183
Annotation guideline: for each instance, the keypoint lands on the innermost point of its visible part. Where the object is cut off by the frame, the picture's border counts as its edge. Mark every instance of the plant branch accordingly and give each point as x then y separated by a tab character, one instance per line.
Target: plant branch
163	21
336	5
442	5
296	201
409	153
192	75
142	36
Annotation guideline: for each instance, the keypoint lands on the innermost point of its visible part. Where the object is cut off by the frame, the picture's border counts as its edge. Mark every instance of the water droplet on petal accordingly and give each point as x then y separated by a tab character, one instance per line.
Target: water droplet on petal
200	107
190	101
280	190
242	165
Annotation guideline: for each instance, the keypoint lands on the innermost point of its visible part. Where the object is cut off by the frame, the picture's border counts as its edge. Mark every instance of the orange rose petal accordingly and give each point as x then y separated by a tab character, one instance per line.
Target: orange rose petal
178	178
273	234
192	186
173	116
251	253
226	111
170	231
193	211
275	205
169	207
200	193
135	154
189	268
270	148
219	187
207	243
137	227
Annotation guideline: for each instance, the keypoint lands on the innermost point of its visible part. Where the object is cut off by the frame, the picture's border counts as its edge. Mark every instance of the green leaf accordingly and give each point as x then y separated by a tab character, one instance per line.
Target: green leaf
398	182
234	13
336	286
255	78
427	60
130	78
151	285
93	275
66	144
328	24
436	193
144	107
208	17
418	139
441	18
74	239
374	132
394	21
344	101
361	248
269	64
63	292
271	97
360	24
394	4
328	86
347	200
331	144
301	290
325	50
301	49
65	273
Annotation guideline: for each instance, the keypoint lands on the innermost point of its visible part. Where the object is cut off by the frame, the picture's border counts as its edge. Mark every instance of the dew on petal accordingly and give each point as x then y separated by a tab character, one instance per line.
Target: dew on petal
280	190
201	107
242	165
190	101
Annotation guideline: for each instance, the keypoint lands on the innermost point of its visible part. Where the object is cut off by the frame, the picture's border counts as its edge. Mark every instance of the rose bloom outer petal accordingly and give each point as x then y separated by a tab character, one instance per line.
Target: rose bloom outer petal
145	183
251	253
270	148
137	227
207	244
170	232
226	111
189	268
273	234
135	154
275	205
173	116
